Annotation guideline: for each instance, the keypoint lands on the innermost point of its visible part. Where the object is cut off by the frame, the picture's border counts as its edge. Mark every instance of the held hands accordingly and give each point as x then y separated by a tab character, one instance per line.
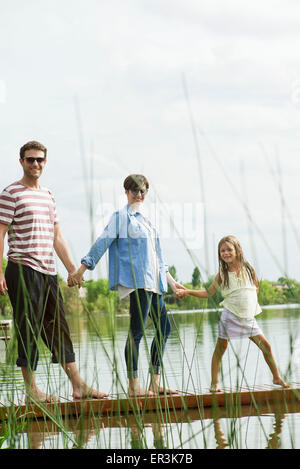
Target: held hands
179	290
75	278
181	293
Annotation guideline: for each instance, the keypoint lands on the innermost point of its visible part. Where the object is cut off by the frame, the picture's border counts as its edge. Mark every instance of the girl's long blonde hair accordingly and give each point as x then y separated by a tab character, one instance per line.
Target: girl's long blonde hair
223	267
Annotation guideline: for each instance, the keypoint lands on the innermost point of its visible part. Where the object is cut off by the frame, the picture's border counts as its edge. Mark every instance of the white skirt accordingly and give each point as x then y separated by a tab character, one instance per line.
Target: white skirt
232	327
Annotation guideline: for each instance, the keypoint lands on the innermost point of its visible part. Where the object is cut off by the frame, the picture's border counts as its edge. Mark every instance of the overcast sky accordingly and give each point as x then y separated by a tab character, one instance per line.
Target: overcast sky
132	73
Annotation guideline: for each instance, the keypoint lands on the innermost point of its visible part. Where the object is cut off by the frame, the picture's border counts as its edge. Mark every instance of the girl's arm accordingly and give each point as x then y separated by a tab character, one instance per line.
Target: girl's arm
203	293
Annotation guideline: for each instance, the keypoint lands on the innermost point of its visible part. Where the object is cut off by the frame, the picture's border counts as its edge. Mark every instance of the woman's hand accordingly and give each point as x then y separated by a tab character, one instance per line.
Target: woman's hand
178	289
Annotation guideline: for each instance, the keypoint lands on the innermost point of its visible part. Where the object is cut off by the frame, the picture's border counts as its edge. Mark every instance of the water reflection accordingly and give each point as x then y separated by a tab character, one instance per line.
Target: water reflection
145	431
99	341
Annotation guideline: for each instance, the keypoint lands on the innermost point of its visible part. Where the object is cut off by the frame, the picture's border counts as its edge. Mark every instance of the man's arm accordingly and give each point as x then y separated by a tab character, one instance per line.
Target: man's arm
3	231
62	251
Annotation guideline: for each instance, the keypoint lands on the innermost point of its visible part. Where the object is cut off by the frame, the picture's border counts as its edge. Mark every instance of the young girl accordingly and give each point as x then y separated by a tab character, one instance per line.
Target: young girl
239	286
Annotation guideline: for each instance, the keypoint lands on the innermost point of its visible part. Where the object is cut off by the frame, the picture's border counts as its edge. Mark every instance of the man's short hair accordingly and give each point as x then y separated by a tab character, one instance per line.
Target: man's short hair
32	145
135	181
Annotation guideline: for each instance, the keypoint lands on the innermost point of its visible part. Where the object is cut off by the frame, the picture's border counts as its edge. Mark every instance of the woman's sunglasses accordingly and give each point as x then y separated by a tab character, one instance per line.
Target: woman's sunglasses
137	191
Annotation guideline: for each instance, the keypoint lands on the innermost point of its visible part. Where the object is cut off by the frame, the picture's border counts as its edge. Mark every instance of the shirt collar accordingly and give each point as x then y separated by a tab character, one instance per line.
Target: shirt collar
133	211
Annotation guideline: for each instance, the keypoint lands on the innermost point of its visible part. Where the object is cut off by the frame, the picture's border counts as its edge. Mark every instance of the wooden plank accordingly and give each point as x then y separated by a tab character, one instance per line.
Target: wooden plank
122	405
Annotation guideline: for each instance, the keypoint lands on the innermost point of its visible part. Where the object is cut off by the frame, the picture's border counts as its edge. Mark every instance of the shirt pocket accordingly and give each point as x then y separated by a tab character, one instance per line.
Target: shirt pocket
136	230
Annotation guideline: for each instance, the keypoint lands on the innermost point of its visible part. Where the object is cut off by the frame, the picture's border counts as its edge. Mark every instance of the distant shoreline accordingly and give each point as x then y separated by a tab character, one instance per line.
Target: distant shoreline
208	310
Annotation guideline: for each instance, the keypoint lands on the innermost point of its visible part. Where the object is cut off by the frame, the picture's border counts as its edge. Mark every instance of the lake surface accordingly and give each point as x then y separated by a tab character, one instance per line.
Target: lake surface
99	342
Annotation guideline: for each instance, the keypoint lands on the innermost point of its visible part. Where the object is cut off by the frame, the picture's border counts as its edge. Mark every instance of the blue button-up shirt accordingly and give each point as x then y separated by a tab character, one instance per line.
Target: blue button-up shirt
130	262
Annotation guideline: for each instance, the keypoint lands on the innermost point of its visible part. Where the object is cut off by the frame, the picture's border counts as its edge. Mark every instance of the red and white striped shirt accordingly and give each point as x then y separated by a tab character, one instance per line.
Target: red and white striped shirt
31	216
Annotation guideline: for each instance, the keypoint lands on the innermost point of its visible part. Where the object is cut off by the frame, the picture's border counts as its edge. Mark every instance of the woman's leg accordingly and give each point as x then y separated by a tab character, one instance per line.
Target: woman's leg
161	322
266	349
140	301
219	351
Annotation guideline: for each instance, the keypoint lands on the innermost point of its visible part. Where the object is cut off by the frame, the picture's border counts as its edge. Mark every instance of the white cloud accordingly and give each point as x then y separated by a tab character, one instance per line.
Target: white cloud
124	59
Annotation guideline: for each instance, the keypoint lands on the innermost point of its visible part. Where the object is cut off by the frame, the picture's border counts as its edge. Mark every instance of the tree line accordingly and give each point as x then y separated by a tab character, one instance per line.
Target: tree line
96	296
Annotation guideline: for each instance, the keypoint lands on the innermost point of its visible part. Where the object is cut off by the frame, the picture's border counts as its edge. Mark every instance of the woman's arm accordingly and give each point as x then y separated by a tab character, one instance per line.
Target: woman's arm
100	246
173	284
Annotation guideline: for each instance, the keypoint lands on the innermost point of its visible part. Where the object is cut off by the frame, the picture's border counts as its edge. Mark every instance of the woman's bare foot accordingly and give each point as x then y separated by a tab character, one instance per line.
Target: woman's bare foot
157	389
83	391
215	388
137	391
161	390
280	382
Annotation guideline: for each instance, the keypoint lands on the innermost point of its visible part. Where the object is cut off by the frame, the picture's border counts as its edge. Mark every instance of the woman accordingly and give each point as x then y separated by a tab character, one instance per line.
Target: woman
136	268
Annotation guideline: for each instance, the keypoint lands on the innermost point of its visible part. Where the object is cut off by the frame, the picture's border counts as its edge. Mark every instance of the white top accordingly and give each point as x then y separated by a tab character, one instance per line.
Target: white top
240	297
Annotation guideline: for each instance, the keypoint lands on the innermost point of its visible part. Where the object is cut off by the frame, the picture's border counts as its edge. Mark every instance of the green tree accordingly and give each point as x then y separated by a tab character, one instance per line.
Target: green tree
196	277
99	297
269	295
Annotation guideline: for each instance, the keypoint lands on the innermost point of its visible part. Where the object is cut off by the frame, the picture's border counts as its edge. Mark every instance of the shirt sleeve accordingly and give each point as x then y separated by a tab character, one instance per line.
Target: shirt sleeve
7	208
110	233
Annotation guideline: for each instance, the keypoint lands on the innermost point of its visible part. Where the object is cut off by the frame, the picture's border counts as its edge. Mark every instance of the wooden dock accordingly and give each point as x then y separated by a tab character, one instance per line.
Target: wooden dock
230	402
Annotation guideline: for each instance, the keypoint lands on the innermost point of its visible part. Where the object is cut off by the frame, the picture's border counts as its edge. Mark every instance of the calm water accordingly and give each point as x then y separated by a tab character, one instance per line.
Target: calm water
99	345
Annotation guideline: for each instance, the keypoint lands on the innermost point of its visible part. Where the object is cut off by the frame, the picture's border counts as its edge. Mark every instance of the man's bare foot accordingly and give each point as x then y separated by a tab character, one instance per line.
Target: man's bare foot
280	382
40	397
215	388
83	391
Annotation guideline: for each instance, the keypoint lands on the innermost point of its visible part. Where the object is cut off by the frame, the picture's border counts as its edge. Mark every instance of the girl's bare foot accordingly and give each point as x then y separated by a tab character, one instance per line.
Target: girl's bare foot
280	382
215	388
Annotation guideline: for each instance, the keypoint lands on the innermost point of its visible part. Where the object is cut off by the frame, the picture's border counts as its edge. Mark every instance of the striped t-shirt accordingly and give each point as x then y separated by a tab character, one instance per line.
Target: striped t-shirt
31	216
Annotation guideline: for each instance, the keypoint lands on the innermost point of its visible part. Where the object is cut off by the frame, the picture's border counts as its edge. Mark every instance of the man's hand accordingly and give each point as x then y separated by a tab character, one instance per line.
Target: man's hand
3	286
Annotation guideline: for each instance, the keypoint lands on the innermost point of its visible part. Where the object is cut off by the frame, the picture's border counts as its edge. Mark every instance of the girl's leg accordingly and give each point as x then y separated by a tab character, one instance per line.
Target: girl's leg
140	301
219	351
266	349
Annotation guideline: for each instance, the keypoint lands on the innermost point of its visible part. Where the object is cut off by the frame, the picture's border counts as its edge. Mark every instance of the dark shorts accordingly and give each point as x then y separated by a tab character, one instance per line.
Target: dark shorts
38	311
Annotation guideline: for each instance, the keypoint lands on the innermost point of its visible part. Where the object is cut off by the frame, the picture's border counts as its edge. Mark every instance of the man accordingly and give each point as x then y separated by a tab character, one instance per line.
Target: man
28	214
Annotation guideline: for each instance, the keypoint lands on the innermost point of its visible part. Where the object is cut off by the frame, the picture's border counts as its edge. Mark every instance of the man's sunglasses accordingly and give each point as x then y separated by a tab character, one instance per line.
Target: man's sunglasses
31	160
137	191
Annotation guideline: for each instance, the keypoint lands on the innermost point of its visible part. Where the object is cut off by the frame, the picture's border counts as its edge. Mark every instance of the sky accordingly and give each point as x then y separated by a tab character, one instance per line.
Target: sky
201	97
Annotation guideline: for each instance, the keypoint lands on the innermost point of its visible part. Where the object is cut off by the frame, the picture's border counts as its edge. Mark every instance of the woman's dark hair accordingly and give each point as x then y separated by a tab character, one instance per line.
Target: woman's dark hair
135	181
